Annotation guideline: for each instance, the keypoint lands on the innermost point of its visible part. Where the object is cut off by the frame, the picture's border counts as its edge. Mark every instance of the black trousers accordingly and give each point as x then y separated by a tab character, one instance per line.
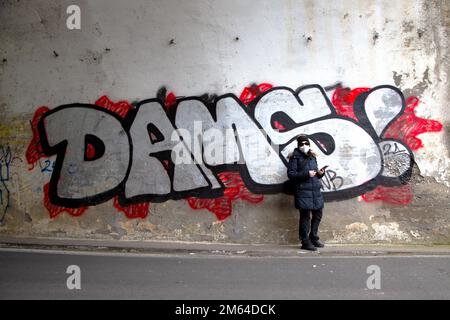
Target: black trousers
309	227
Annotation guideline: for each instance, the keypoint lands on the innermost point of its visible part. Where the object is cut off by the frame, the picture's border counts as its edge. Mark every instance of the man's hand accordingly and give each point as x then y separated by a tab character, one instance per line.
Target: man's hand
312	173
321	172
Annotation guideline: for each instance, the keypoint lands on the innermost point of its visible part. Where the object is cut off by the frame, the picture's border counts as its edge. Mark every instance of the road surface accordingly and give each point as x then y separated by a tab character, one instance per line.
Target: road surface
40	274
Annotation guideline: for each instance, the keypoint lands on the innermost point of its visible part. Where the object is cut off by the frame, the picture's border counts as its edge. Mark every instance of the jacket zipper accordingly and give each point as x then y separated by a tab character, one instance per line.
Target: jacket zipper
312	185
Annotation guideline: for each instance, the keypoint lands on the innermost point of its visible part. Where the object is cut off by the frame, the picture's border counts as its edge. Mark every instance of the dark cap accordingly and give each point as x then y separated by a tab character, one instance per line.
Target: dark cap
302	137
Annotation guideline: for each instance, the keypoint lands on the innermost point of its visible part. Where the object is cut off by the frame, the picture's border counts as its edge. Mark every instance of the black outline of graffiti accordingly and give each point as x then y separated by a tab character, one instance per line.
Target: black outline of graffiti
207	192
5	161
360	113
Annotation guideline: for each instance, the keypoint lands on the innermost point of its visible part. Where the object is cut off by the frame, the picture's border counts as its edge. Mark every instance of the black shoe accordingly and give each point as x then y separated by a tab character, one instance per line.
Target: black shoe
317	244
307	245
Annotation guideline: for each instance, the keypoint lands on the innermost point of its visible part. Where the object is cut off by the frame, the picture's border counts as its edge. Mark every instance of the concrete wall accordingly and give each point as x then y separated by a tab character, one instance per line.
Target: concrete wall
367	80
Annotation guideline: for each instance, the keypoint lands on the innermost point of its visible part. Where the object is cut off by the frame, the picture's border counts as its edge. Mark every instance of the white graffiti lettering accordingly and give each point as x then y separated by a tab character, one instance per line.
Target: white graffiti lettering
155	155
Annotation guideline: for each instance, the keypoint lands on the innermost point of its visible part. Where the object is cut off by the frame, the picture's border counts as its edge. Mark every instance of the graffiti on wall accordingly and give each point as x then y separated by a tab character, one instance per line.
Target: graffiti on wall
7	160
405	128
5	163
213	150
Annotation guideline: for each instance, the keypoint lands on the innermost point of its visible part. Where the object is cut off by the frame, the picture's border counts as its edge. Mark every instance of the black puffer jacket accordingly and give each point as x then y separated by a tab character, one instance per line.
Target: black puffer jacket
306	189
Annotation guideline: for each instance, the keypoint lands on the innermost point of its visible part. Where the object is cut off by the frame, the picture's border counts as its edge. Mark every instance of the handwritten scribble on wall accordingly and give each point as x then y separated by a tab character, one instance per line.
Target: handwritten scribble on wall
5	162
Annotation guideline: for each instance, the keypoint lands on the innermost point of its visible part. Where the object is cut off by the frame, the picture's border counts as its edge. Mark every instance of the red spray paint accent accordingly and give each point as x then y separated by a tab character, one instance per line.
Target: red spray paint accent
394	195
133	211
165	164
55	210
34	151
90	151
170	101
343	100
254	91
279	126
234	189
120	108
408	126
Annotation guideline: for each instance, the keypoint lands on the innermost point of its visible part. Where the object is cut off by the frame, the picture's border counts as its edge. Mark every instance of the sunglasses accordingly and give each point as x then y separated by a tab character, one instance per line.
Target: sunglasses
304	143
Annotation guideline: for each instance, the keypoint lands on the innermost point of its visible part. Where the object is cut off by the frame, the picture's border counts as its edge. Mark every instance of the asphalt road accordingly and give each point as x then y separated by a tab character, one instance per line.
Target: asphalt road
42	275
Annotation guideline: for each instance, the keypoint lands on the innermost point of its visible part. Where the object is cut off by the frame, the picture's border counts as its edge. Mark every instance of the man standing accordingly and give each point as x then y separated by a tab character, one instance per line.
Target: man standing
305	175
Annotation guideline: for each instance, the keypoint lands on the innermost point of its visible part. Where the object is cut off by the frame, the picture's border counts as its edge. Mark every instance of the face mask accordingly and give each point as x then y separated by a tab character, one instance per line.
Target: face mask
305	149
